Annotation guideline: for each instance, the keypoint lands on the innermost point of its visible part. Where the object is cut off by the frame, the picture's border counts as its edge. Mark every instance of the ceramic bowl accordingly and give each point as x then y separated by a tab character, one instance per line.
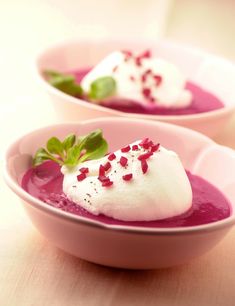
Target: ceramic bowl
214	74
125	246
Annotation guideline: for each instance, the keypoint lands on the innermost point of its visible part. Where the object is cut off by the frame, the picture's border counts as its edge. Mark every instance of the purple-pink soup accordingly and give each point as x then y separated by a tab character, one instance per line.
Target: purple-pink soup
203	101
209	204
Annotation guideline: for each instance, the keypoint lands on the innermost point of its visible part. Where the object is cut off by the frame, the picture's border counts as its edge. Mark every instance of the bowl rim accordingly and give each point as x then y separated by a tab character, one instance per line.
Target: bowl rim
187	117
38	204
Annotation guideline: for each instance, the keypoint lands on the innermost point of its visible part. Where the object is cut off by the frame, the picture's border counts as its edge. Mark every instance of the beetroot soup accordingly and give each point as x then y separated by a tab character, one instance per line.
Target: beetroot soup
209	204
203	101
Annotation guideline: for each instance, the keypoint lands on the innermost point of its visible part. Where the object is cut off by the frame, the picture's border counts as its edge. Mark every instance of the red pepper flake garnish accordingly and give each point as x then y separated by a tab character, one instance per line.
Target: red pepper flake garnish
143	78
149	143
135	148
101	170
84	170
81	177
144	166
107	166
123	161
154	148
115	69
132	78
111	156
148	71
145	156
103	178
158	79
146	146
126	149
145	75
127	52
146	54
138	61
144	141
107	184
127	177
146	92
128	55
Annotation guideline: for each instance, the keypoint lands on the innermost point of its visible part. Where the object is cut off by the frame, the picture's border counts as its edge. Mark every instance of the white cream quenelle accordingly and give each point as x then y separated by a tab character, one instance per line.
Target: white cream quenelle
144	79
140	182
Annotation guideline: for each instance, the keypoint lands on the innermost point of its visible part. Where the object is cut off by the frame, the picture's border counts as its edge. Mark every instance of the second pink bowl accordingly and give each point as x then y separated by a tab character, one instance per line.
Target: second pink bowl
212	73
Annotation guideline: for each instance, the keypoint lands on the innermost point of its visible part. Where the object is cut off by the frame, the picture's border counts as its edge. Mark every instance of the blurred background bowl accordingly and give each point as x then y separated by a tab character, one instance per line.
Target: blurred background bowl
207	71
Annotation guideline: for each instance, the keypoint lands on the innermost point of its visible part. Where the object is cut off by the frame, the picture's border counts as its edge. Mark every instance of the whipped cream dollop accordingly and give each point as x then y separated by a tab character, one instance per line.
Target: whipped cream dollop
141	182
144	79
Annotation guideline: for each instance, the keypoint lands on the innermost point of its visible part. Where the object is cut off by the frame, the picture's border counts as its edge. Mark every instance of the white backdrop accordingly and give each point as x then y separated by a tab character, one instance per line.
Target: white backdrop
26	26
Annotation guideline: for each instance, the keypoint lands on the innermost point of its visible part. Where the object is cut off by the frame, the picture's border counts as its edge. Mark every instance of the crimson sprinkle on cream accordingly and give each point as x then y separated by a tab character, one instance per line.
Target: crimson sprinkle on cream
141	181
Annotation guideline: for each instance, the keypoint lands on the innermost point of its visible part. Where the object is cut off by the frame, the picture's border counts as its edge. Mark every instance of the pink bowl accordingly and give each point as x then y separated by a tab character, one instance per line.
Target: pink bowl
121	246
205	70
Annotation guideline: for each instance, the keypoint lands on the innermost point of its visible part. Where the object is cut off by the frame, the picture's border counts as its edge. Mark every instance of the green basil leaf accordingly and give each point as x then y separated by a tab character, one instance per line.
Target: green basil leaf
91	146
96	153
64	82
52	73
69	141
102	88
42	155
67	85
73	156
95	146
54	146
92	140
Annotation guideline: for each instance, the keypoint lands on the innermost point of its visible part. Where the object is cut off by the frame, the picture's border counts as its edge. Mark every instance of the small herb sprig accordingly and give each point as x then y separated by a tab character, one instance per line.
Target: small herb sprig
64	82
100	89
72	150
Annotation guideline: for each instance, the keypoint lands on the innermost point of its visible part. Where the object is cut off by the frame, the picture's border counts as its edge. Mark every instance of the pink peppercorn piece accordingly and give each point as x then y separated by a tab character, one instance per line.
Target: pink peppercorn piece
103	178
146	92
111	156
101	170
107	166
154	148
146	54
138	61
107	183
143	78
158	79
132	78
144	166
127	177
144	141
148	145
81	177
145	156
123	161
148	71
84	170
135	148
126	149
127	53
